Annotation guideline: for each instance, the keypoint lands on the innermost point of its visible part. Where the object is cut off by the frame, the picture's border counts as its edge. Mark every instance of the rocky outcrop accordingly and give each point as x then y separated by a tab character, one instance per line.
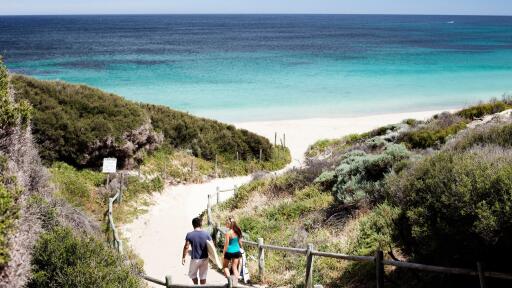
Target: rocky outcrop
129	151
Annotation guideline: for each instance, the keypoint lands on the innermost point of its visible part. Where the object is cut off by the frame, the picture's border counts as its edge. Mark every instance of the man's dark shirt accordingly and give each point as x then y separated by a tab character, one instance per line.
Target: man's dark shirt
197	239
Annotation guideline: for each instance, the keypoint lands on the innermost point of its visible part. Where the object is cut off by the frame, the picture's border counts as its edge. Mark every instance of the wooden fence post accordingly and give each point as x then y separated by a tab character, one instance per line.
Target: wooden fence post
215	232
218	195
235	190
121	188
209	210
379	270
168	281
216	167
309	266
284	140
481	274
261	259
120	247
275	139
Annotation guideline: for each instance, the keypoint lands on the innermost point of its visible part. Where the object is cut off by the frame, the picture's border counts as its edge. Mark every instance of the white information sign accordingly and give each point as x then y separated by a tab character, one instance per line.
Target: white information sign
109	165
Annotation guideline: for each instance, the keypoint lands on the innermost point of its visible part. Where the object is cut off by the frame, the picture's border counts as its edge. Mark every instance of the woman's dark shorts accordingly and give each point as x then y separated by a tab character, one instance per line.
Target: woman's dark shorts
230	256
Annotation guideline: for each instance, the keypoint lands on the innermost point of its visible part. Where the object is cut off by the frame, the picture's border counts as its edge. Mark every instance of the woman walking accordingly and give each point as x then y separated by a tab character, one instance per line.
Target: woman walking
232	246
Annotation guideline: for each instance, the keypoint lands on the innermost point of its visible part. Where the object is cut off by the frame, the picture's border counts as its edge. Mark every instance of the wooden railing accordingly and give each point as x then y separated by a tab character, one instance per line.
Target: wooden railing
309	252
217	194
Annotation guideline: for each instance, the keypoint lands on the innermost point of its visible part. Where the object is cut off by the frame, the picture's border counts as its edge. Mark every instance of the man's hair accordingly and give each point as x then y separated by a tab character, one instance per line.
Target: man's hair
197	222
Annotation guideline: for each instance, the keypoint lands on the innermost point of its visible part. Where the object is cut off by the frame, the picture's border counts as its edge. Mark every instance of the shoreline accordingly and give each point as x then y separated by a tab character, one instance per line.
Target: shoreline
301	133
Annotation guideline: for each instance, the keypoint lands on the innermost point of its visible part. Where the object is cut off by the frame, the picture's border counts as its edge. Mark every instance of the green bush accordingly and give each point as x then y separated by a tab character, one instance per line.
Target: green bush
243	195
62	259
456	207
77	186
8	211
428	137
11	113
500	135
483	109
207	138
376	230
70	120
304	201
85	189
326	180
360	175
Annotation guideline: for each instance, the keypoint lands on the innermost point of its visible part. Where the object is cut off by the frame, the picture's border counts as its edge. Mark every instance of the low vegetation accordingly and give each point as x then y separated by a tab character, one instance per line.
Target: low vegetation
179	166
63	259
483	109
433	192
11	114
87	189
8	209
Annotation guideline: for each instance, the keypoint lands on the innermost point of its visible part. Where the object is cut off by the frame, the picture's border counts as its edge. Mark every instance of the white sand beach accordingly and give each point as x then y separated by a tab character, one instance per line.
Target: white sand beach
158	236
301	133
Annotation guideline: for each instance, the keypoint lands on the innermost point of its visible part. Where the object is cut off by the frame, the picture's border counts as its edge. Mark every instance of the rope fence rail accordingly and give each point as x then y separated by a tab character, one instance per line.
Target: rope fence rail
378	258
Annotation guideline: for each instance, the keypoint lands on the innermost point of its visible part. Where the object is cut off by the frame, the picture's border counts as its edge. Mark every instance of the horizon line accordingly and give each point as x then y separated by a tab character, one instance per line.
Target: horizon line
251	13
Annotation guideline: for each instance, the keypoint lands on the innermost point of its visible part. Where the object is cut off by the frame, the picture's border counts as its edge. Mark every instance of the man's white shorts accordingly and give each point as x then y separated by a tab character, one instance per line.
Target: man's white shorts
198	266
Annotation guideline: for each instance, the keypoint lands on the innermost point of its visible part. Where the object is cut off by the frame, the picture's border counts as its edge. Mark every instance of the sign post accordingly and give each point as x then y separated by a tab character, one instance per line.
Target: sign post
109	166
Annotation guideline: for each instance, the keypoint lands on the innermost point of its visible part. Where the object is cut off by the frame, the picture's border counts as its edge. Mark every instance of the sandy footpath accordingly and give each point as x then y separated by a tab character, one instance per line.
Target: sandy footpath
158	236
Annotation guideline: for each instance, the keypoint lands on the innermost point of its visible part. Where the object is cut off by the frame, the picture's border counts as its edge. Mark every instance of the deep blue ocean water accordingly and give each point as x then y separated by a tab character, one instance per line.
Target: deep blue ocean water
256	67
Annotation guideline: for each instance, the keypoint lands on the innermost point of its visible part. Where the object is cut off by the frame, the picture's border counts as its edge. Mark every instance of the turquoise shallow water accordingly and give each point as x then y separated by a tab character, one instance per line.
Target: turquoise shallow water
241	68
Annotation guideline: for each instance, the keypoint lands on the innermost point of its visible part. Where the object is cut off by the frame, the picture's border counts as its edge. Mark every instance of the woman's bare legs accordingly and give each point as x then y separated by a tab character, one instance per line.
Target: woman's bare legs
236	272
225	267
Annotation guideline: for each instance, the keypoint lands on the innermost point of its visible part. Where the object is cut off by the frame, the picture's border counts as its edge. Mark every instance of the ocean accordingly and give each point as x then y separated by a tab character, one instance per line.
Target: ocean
264	67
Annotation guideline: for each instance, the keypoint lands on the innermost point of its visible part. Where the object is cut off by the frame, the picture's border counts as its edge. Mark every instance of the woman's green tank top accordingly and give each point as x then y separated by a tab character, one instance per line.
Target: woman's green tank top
233	245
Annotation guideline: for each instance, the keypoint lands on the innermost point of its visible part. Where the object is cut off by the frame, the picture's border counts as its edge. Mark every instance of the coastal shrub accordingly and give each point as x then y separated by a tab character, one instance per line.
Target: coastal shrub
360	175
86	189
326	180
78	187
207	138
321	146
81	125
434	133
62	259
456	207
11	113
482	109
304	201
73	123
8	210
376	230
499	134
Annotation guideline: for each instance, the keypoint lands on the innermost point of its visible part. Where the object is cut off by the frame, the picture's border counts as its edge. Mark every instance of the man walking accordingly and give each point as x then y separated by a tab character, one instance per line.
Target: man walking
197	239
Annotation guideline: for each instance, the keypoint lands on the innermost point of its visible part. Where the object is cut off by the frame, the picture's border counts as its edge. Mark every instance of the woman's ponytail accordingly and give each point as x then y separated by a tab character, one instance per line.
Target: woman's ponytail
235	227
